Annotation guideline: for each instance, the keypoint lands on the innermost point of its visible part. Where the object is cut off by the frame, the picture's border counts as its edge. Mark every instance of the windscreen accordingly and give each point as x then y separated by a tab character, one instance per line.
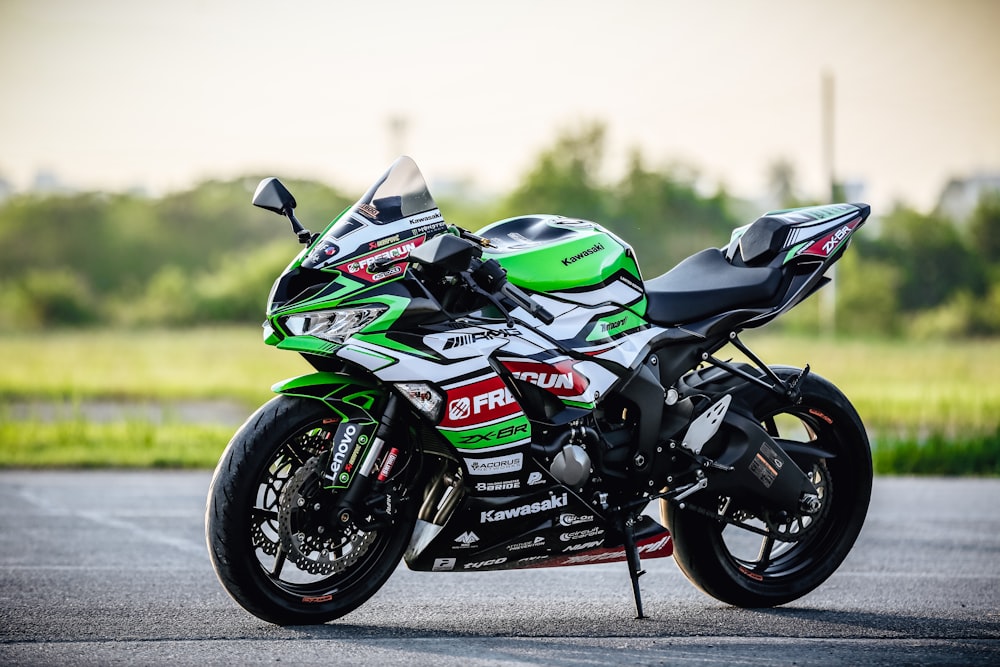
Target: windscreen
396	215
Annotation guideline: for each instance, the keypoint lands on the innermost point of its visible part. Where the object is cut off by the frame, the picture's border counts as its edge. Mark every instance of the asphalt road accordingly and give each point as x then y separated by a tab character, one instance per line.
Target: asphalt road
111	568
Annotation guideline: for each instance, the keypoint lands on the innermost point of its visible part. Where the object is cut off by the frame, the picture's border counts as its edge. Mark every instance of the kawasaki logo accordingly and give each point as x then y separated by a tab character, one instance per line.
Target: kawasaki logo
491	516
597	247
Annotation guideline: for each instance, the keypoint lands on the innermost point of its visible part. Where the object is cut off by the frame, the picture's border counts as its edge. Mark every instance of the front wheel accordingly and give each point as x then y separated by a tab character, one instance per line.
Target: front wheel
759	559
274	541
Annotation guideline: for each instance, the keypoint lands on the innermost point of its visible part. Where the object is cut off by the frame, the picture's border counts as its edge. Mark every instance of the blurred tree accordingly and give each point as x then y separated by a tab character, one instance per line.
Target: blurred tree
52	298
662	215
933	261
127	255
984	228
867	295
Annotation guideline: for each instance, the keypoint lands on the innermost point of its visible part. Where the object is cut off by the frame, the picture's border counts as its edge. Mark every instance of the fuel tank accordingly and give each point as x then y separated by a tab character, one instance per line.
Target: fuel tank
566	258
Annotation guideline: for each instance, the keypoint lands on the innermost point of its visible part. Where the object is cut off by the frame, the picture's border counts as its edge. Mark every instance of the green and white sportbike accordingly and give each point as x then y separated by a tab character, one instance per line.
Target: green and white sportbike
515	398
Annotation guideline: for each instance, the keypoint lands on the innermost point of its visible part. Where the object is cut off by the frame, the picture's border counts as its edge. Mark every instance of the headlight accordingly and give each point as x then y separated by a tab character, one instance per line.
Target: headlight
332	325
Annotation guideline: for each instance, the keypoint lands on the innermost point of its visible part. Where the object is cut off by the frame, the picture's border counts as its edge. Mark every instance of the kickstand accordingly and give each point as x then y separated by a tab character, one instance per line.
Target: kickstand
632	555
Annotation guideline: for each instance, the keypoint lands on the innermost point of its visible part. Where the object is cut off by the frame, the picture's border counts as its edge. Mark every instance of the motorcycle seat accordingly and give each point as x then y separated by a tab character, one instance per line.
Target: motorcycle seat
705	284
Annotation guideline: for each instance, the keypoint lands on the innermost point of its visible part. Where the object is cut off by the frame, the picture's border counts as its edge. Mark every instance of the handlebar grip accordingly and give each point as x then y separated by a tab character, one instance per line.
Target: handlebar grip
519	297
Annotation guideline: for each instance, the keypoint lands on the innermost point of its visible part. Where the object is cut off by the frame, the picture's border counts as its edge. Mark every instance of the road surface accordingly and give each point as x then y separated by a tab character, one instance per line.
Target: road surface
111	568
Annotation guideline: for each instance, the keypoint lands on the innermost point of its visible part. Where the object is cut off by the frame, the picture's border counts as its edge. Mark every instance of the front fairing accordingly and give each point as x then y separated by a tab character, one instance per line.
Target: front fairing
396	215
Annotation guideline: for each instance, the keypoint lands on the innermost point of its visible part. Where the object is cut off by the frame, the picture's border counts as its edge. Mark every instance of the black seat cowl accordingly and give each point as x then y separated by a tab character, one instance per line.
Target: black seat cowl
776	231
706	284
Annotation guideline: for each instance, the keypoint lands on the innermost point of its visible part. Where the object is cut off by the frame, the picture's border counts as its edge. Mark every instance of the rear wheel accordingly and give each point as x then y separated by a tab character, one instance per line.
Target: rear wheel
273	538
763	559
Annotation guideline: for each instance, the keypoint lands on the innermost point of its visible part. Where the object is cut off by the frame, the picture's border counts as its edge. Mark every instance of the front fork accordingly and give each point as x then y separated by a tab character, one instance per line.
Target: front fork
353	505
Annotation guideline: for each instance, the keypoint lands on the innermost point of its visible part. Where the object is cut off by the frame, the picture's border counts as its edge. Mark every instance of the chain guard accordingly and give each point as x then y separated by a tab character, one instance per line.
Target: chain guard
305	531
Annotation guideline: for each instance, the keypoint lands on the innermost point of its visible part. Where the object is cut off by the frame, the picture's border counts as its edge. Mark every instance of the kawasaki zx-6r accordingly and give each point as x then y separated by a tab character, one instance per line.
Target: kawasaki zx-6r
515	398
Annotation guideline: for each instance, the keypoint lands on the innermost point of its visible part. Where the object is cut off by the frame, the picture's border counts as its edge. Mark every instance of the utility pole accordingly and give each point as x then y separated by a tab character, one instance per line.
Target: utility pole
828	296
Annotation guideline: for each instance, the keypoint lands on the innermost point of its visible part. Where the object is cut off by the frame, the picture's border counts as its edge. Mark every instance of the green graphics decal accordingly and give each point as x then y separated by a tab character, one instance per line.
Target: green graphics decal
482	413
615	325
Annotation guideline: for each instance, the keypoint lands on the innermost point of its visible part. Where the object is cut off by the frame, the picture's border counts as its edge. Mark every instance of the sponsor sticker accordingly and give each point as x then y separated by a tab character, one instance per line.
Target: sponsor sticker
559	378
657	548
486	563
503	485
360	267
530	544
574	519
349	443
443	564
466	540
583	547
495	465
581	534
478	403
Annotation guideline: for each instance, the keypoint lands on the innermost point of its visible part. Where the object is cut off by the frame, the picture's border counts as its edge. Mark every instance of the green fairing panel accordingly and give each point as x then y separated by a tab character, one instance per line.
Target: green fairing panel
550	254
331	388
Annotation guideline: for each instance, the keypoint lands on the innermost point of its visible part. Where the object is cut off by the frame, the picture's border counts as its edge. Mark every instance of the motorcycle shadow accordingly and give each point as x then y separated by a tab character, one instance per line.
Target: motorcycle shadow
664	622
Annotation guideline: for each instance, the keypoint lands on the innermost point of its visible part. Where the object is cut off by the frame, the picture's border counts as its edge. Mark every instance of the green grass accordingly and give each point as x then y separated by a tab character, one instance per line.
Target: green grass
123	444
161	365
932	407
903	389
937	455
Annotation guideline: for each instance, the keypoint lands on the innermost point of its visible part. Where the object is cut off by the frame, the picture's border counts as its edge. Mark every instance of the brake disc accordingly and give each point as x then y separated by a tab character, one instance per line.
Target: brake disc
307	534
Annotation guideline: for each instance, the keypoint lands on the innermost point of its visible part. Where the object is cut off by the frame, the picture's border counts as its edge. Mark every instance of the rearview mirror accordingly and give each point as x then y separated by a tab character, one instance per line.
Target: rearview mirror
271	195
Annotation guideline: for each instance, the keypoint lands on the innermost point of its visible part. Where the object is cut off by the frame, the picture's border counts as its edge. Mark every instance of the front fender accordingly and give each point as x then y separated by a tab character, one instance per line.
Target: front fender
335	390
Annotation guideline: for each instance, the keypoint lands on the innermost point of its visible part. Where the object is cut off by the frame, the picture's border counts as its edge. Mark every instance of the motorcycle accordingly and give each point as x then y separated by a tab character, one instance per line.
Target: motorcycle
518	398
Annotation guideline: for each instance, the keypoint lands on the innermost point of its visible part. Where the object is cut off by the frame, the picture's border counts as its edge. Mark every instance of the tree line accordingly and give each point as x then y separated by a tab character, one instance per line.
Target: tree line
205	256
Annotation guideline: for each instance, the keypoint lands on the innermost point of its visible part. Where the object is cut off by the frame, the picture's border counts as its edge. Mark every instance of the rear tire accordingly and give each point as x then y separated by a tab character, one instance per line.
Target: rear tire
746	569
269	454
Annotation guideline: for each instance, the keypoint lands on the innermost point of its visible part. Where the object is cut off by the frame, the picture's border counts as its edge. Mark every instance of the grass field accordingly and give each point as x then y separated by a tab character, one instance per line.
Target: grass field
930	406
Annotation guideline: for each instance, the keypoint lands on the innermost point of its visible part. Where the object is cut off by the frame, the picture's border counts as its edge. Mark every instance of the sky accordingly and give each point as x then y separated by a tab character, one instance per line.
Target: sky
160	94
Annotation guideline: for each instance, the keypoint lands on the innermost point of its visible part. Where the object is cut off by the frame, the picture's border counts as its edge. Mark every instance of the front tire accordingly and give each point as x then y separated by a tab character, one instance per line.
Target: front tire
746	569
283	564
